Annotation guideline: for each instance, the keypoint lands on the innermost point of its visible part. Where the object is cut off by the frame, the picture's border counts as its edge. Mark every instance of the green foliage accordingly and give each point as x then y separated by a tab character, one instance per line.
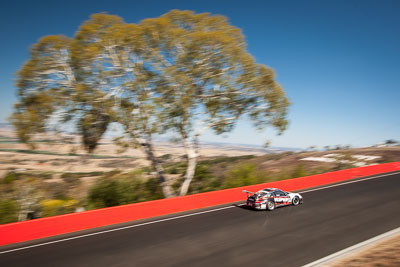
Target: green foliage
146	169
176	168
114	172
48	85
9	178
172	170
39	175
92	126
52	207
38	91
319	170
72	175
105	193
30	115
204	181
71	180
12	176
227	159
108	192
299	171
180	167
165	157
8	211
177	184
244	174
205	178
56	190
277	156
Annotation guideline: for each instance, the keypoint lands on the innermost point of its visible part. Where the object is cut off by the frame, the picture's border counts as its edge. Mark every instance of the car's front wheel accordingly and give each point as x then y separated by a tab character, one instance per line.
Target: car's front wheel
296	201
270	205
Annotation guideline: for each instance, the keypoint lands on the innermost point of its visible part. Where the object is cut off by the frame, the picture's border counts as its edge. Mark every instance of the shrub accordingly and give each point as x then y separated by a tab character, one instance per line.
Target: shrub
203	180
55	190
227	159
244	174
172	170
299	171
73	178
80	174
52	207
8	211
9	178
165	157
108	192
104	193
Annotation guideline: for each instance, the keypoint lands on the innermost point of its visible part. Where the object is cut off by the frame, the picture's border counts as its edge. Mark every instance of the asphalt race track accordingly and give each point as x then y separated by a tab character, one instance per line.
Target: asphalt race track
329	220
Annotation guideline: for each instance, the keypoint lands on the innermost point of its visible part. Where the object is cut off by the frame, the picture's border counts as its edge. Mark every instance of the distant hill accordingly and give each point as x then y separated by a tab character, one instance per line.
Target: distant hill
249	147
5	125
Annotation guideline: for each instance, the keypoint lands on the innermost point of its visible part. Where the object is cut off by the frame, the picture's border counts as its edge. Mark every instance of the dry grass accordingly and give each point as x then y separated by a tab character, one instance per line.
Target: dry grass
384	253
274	163
63	161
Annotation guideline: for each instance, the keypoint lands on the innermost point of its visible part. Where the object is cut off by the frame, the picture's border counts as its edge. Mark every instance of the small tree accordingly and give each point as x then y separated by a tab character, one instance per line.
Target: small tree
41	83
391	142
50	93
312	148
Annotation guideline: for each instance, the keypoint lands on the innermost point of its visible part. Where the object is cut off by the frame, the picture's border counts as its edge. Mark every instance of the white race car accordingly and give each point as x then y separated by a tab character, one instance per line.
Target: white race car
270	198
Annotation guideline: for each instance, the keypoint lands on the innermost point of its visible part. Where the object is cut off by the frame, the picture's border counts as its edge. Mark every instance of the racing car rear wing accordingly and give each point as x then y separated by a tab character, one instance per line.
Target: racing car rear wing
248	192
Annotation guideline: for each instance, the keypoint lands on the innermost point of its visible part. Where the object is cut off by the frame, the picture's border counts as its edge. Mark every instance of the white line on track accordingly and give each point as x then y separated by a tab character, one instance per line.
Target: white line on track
116	229
176	217
350	182
344	252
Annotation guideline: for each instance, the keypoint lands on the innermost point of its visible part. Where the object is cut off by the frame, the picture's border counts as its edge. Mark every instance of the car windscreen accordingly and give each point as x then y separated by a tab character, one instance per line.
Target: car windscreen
259	194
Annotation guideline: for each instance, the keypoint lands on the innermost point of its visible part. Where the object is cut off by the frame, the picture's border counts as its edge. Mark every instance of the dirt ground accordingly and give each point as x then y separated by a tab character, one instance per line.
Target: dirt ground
56	157
384	253
110	158
273	163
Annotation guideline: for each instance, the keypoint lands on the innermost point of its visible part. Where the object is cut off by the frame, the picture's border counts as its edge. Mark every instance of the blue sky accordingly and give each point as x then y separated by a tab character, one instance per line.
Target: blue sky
338	61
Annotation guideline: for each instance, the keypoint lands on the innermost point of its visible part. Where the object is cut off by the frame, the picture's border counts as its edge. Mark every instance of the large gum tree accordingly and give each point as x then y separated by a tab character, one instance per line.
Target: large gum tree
182	72
207	80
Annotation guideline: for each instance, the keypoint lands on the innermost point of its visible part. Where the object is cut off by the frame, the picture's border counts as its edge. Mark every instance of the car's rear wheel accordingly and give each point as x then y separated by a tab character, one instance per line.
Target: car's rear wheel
270	205
296	201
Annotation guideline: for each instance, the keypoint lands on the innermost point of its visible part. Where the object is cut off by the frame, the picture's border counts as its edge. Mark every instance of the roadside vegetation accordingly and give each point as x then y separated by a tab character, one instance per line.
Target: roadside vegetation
27	194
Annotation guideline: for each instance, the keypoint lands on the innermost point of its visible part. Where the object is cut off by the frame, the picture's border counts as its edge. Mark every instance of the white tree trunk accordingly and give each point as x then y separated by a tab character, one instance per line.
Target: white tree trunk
191	168
147	146
166	188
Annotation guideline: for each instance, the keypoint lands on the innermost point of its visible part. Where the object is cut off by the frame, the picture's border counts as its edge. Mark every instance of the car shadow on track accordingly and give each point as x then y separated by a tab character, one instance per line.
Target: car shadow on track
278	209
243	206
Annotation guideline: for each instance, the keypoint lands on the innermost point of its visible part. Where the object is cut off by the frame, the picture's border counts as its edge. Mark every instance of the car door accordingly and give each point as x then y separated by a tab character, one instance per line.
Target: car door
278	198
285	198
273	197
282	198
